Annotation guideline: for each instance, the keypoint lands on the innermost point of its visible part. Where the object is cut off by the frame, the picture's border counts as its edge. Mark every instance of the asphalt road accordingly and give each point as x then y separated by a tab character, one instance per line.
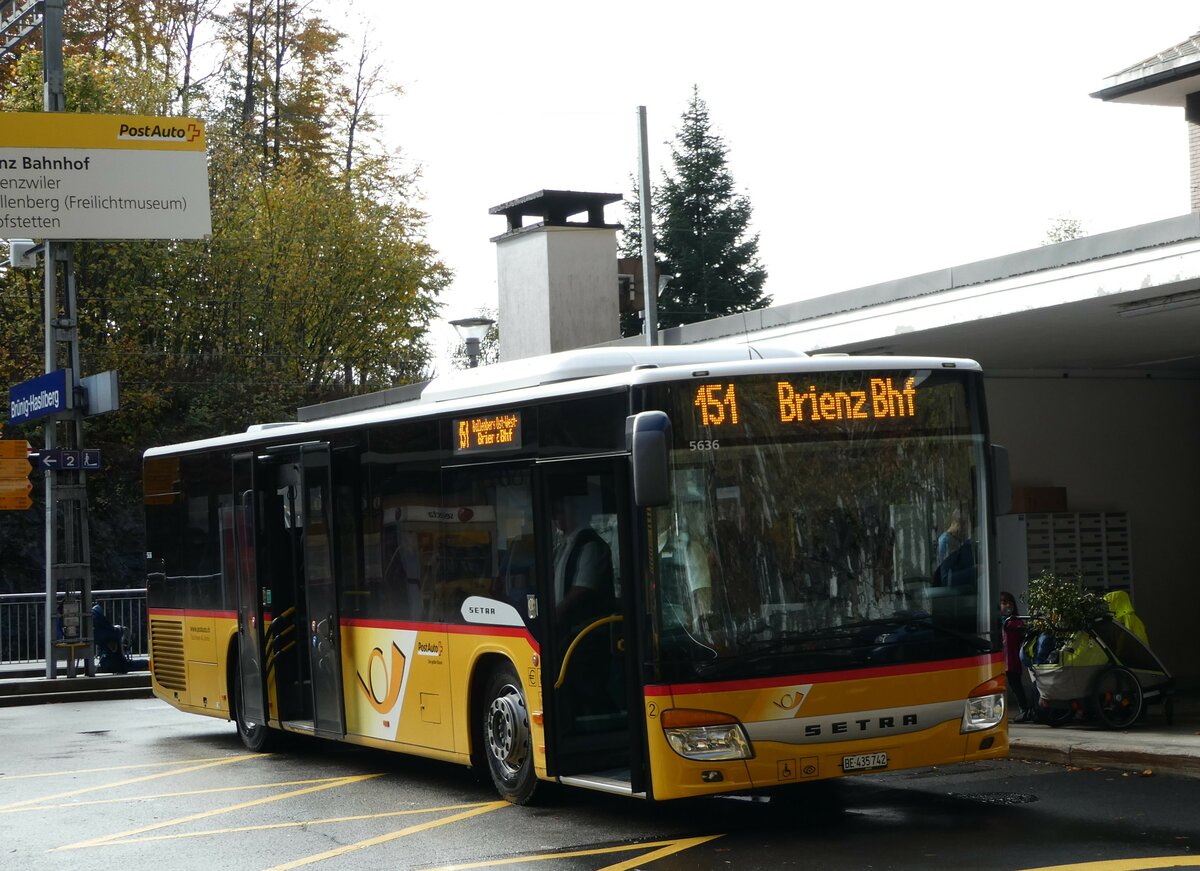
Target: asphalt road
135	784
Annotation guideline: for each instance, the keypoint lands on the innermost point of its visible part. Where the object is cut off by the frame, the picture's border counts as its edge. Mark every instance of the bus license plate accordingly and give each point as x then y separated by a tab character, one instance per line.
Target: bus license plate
864	761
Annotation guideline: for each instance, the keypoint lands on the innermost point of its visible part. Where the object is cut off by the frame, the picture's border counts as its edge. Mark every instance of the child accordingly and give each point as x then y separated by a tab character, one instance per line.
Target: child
1013	634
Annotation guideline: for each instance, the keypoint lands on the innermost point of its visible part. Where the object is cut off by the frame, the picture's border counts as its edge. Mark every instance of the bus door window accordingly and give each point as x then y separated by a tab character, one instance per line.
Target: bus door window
585	572
283	593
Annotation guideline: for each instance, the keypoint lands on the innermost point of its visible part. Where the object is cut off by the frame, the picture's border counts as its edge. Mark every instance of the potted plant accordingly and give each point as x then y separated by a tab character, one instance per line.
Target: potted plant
1062	606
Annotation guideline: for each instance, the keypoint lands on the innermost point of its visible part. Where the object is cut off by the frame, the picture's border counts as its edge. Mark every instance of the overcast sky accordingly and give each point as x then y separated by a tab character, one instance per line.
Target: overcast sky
874	139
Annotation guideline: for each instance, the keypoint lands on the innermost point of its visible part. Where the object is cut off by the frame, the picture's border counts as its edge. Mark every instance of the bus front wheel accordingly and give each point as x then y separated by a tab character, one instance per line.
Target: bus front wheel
506	736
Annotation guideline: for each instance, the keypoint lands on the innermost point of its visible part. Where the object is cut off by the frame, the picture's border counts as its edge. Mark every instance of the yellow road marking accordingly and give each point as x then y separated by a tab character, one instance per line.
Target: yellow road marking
96	842
667	848
292	825
77	771
383	839
670	849
155	796
85	790
1145	864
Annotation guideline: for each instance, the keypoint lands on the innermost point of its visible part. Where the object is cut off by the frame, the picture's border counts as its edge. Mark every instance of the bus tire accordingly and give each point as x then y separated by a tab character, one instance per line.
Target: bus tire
258	738
506	735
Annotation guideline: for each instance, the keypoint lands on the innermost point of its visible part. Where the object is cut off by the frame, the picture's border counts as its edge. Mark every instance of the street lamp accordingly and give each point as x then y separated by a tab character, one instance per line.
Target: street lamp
471	331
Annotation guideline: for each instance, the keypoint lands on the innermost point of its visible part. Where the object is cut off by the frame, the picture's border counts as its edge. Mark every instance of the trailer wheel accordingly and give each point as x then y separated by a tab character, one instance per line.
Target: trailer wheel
507	740
1117	697
1055	717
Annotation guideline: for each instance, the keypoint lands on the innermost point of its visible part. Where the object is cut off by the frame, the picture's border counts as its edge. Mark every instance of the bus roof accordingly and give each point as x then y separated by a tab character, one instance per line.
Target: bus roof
558	375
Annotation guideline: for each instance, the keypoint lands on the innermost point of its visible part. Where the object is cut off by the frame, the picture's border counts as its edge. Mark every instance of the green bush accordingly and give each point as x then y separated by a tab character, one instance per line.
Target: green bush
1062	606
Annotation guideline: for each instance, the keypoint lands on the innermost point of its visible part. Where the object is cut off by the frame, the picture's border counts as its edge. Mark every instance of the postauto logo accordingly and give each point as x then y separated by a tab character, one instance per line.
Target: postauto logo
159	132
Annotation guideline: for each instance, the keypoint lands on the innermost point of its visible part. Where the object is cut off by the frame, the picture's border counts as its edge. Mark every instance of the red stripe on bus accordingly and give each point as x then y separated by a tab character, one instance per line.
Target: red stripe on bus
187	612
451	629
824	676
448	628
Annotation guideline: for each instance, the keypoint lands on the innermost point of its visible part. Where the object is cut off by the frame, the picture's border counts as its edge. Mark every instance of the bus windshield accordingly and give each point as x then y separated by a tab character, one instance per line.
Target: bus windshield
821	521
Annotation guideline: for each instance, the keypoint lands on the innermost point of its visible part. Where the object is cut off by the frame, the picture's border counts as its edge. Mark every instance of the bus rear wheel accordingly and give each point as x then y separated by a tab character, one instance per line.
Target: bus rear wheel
257	737
507	740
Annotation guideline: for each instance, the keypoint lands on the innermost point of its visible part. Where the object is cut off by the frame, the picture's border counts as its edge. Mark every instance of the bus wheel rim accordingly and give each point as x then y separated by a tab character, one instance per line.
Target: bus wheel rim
508	730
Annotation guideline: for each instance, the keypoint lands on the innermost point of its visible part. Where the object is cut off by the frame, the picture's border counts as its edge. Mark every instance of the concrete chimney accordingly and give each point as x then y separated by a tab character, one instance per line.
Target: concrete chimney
557	278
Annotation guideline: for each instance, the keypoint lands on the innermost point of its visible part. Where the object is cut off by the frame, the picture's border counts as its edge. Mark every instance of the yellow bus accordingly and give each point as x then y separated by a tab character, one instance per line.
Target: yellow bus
657	572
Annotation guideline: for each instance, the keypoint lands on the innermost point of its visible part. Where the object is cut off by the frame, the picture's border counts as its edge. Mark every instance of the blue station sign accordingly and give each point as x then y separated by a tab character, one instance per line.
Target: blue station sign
40	397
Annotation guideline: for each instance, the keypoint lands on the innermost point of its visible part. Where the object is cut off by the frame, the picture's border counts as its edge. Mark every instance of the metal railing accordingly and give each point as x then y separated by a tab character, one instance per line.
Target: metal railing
23	624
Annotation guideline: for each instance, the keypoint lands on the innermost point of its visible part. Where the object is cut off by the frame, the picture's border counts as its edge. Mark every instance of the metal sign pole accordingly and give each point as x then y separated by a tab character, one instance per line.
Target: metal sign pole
67	551
49	442
649	282
52	101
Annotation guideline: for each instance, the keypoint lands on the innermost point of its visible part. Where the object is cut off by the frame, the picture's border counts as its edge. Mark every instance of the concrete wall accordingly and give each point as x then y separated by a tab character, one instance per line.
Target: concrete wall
1121	445
523	264
558	290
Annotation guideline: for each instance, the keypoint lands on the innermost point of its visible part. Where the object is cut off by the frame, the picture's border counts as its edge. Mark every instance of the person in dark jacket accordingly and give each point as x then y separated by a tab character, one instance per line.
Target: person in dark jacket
1012	637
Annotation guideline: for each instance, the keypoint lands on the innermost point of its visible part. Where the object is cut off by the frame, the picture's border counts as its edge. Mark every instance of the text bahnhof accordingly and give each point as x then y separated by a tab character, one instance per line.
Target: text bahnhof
43	163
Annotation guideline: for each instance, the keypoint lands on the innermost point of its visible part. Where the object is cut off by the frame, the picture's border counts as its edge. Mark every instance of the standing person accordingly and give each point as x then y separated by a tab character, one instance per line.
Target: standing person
583	569
1012	636
956	552
583	594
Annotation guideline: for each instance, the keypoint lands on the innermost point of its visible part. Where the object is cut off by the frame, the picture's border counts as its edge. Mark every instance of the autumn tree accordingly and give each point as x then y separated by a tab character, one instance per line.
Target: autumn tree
317	280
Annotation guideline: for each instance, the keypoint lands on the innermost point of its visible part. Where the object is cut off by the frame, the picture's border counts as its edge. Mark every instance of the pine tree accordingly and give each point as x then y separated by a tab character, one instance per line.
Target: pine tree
701	229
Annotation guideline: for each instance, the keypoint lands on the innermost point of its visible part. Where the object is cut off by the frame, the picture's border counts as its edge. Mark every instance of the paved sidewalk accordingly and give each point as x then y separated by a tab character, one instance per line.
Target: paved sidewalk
1150	746
26	684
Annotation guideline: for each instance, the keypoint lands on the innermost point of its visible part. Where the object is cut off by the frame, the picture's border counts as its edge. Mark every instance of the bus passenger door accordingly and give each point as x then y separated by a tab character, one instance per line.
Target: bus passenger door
252	699
582	591
321	625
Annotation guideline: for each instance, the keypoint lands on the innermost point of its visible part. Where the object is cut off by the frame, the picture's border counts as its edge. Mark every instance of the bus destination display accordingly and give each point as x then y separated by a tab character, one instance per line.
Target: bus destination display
494	432
882	398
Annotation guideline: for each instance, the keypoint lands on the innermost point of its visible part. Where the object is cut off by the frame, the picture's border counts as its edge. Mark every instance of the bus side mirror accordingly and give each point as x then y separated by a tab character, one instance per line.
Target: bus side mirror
1001	481
649	441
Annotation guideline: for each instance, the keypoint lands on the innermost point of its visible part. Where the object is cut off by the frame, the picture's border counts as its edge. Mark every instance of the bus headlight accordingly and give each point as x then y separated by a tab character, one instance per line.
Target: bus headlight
983	712
705	735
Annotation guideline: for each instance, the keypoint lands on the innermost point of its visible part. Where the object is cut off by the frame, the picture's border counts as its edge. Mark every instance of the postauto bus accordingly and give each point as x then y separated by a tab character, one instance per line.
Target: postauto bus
784	571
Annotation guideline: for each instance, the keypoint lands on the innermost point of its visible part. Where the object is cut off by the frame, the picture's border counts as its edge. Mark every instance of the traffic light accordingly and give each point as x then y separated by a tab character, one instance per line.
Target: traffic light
14	475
